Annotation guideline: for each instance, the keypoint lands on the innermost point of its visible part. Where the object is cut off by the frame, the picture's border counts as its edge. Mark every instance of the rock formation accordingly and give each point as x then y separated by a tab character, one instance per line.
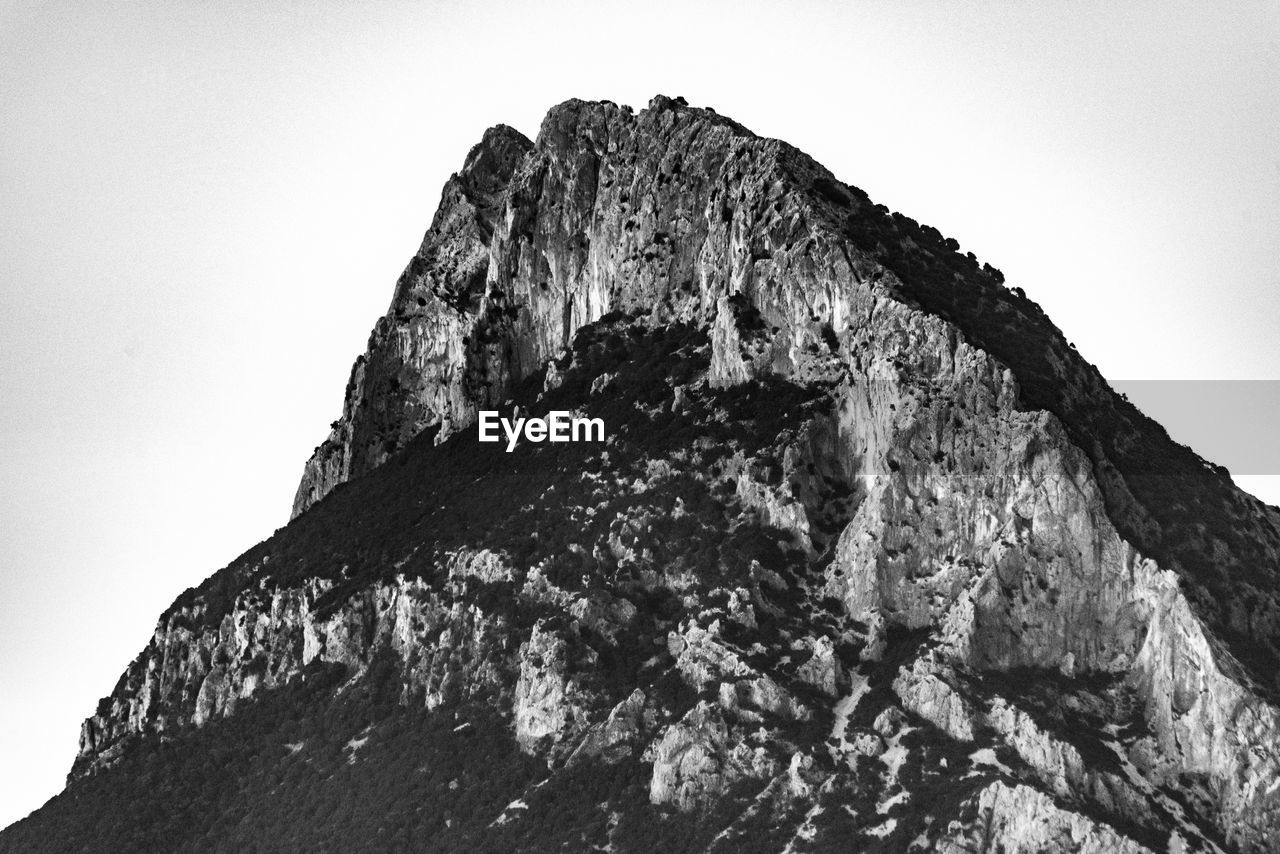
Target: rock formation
871	555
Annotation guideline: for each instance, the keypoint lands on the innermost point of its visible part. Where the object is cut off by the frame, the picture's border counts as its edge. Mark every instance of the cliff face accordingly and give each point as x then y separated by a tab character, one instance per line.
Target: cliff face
870	553
413	373
608	212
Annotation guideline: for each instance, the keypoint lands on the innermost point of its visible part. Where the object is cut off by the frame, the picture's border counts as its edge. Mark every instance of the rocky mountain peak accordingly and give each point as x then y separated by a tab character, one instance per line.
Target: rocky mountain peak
869	556
609	210
488	169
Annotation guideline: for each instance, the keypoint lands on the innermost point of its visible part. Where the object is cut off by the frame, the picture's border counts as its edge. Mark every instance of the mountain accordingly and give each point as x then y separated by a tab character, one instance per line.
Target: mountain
869	557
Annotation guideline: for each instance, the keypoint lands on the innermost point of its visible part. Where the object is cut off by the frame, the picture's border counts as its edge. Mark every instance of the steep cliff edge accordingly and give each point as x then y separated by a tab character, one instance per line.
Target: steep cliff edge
413	372
870	553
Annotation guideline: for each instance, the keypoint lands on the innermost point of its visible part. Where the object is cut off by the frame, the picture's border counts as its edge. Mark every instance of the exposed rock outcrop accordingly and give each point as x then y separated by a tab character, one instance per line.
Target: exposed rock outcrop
1016	818
414	373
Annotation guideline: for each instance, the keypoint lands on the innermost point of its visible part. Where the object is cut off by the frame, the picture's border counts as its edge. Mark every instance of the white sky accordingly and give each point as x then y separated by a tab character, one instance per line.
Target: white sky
204	207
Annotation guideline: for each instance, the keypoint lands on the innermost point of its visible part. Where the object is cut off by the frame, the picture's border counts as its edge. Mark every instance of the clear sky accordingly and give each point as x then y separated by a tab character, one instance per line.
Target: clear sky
205	206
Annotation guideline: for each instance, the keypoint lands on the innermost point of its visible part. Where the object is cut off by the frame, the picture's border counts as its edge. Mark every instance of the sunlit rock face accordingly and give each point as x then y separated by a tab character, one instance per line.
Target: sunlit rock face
412	374
668	211
870	557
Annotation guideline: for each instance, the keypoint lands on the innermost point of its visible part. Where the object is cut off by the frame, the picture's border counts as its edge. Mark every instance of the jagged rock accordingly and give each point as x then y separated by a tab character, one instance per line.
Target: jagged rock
616	736
192	671
546	705
1018	818
867	744
697	759
703	660
822	670
926	690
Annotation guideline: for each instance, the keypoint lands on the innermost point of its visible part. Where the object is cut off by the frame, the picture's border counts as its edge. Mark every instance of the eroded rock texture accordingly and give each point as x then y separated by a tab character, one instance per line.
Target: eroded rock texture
871	557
